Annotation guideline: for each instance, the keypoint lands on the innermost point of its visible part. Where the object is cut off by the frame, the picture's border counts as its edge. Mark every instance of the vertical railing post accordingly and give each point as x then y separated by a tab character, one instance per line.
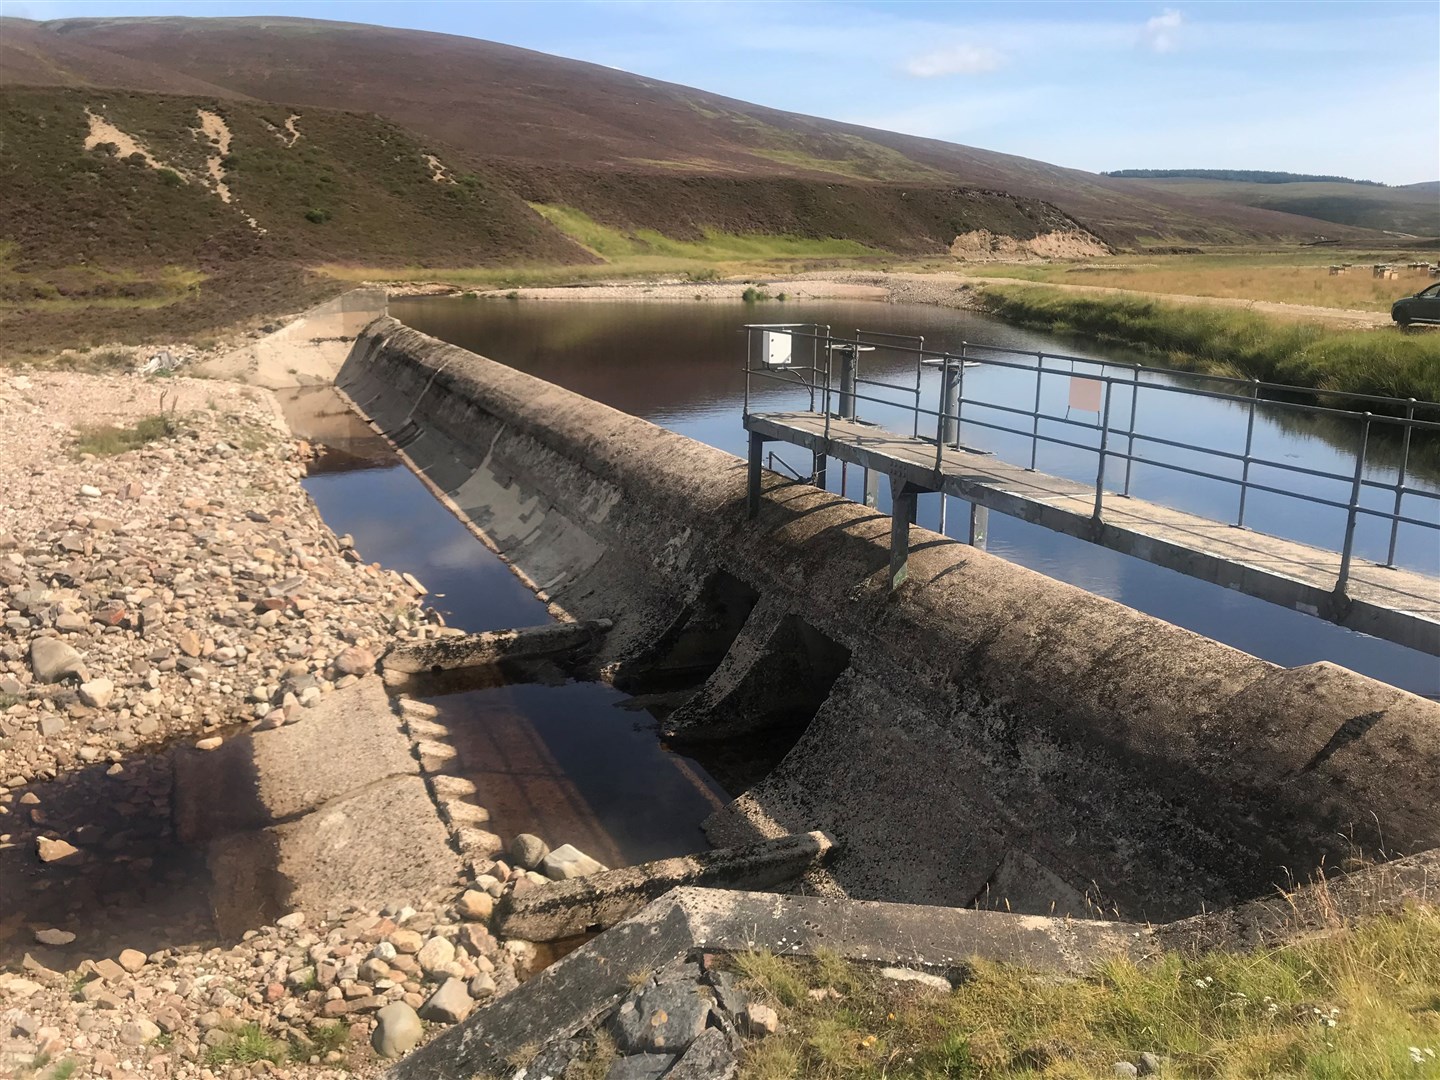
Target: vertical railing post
1035	416
919	384
940	411
1348	550
1104	446
960	391
749	365
1130	443
849	372
1400	482
951	383
1249	445
829	356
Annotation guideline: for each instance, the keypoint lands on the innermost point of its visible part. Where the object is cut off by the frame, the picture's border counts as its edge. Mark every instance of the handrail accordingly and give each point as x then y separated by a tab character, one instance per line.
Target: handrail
947	424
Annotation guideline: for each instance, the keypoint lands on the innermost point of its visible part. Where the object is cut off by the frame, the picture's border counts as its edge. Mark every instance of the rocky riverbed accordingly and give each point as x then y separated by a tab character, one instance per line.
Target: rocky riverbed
172	593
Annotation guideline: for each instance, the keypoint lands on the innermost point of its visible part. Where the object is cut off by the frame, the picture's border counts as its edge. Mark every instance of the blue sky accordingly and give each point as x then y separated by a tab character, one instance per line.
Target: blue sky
1347	88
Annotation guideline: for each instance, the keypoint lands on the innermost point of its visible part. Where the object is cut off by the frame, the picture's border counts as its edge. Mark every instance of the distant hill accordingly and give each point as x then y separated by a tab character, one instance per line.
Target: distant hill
1251	176
189	172
571	129
1412	210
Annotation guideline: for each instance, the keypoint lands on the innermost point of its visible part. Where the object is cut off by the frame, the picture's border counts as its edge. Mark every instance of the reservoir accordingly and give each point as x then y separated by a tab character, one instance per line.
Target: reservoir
680	365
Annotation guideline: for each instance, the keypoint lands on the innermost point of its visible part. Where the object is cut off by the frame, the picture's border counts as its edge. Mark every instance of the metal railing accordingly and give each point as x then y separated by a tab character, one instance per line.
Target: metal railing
826	351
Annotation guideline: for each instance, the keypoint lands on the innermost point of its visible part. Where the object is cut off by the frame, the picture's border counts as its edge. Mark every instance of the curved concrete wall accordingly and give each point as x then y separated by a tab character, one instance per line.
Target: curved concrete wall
997	737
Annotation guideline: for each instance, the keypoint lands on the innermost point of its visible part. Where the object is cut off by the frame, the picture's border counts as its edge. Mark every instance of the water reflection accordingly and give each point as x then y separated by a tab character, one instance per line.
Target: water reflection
681	366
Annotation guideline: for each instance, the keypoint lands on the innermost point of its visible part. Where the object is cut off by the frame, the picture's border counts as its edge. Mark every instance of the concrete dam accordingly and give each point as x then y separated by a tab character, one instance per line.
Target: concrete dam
982	735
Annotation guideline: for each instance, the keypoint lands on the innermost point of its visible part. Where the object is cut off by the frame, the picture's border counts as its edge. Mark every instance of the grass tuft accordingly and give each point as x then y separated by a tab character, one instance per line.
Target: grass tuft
106	440
247	1045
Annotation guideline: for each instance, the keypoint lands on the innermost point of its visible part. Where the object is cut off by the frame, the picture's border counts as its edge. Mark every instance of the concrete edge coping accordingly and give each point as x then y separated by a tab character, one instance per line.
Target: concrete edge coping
570	994
493	646
568	908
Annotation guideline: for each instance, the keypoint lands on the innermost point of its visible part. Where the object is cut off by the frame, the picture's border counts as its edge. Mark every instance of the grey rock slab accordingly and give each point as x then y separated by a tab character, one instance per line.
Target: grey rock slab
52	660
450	1004
554	1059
568	861
667	1018
710	1057
397	1030
560	1000
640	1067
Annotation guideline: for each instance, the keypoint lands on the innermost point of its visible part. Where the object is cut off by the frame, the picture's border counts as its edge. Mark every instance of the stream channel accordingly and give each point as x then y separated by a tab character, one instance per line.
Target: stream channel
680	365
571	762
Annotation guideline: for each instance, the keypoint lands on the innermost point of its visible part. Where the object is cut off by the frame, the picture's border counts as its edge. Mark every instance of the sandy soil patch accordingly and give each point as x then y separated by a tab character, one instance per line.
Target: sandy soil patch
982	245
438	172
215	132
793	288
102	131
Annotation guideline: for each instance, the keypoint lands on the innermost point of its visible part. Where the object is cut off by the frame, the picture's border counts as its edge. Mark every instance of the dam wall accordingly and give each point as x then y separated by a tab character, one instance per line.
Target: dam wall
981	735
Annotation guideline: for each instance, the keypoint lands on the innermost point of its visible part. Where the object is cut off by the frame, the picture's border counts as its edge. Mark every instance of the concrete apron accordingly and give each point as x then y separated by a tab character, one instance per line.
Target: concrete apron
982	735
314	815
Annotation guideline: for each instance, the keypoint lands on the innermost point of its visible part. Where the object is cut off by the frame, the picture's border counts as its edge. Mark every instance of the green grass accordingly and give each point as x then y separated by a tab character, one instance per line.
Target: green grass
1287	278
617	244
1240	343
246	1045
106	440
1266	1013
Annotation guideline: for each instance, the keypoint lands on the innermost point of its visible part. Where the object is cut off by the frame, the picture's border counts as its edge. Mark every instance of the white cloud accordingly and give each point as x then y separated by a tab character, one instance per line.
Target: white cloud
955	60
1162	33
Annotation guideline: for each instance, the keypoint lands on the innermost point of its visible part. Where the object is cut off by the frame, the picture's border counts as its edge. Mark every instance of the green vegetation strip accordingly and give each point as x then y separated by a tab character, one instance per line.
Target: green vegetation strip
1361	1002
1239	343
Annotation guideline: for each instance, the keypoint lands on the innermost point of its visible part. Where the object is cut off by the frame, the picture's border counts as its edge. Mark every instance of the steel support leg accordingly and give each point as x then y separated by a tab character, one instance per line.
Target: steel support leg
872	488
979	525
757	456
902	512
817	471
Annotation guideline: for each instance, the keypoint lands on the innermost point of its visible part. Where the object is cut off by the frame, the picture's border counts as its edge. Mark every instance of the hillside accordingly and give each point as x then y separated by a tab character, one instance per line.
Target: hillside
121	210
1413	210
571	128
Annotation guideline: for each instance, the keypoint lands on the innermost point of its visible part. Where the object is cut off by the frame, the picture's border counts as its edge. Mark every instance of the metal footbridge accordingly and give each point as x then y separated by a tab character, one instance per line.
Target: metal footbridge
904	386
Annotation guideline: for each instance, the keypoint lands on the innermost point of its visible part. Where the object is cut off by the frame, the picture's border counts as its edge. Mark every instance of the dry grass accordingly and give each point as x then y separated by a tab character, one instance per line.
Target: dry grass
1347	1003
1280	279
106	440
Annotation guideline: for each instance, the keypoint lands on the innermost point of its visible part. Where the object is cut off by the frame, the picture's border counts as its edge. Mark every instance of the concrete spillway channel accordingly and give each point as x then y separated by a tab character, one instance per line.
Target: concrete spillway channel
984	735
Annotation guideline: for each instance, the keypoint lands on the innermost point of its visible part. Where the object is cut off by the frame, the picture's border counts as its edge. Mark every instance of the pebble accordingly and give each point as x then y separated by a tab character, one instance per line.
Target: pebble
397	1030
450	1004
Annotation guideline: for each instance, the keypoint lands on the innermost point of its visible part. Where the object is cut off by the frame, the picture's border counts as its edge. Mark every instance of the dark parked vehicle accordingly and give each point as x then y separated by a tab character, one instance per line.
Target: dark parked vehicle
1424	306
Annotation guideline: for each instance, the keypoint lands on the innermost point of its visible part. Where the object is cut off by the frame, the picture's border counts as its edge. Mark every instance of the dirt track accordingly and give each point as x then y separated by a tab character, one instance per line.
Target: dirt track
944	289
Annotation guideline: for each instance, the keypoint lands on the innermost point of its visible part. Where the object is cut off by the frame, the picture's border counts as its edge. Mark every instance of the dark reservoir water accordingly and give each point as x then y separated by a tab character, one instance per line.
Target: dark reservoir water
569	762
680	365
